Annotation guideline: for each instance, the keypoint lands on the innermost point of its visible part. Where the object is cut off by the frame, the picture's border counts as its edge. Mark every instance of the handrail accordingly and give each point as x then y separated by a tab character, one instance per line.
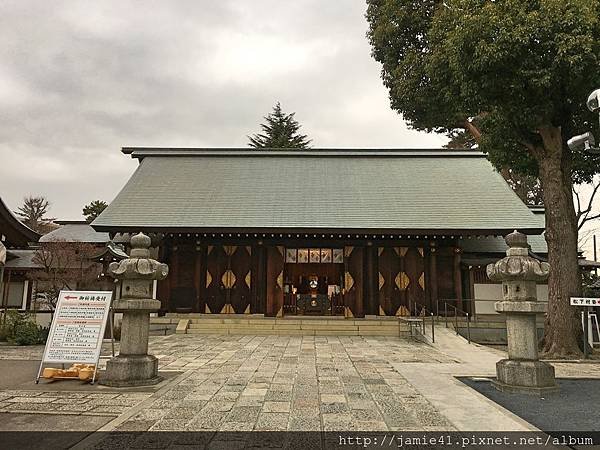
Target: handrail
423	312
456	311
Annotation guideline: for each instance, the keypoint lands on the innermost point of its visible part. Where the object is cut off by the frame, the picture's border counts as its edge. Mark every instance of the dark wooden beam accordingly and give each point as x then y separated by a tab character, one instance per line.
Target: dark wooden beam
458	291
433	283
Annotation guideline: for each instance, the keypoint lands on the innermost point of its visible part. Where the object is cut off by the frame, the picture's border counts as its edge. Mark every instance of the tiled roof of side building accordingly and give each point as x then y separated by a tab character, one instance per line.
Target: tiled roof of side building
71	231
386	190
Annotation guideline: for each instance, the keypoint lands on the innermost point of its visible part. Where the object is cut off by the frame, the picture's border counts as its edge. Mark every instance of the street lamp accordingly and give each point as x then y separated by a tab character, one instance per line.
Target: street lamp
586	140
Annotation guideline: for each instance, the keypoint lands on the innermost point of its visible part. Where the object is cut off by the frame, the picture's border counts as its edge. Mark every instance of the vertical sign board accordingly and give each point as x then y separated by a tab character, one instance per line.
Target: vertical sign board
587	328
77	328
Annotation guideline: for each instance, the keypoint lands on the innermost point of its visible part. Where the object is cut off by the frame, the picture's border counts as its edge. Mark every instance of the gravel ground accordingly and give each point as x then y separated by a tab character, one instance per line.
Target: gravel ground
576	407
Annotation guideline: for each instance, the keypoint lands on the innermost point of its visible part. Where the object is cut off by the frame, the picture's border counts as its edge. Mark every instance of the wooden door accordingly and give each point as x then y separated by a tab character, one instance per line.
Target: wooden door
275	265
215	292
392	281
353	281
415	270
240	266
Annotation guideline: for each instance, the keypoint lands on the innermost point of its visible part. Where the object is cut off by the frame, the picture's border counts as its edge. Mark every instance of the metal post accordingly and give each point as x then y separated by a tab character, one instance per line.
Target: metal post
468	329
455	320
595	255
585	333
2	285
112	331
432	328
446	313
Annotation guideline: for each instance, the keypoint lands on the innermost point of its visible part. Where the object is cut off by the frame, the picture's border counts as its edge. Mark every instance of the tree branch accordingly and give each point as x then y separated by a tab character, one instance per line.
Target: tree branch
473	130
583	214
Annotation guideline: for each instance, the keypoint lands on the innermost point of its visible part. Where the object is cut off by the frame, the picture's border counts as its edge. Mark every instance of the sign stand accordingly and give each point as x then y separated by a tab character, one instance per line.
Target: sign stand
77	329
587	303
584	315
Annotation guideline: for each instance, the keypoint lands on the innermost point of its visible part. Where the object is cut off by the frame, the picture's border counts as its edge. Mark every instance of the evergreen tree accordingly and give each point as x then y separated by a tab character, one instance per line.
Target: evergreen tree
280	131
32	212
514	74
93	210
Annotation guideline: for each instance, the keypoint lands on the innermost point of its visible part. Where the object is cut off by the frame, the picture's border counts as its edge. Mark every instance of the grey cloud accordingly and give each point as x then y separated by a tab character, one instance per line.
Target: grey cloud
81	79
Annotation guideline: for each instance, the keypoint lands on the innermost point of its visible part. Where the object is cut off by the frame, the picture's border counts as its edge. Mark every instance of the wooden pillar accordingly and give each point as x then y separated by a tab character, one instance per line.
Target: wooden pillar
458	278
200	277
174	275
353	281
371	294
433	282
259	279
275	265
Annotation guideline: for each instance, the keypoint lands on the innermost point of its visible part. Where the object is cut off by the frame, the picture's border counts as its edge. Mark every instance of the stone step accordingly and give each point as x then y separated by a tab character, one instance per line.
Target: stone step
195	323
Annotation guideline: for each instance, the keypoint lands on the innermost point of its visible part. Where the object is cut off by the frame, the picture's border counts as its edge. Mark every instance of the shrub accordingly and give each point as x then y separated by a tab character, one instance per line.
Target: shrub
21	329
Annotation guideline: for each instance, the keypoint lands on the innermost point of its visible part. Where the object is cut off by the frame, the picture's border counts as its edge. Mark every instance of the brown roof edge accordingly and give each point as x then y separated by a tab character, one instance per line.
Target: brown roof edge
18	233
284	231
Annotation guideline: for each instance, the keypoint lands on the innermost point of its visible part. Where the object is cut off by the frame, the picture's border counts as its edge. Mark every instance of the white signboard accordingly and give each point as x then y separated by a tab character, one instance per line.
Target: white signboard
77	327
585	301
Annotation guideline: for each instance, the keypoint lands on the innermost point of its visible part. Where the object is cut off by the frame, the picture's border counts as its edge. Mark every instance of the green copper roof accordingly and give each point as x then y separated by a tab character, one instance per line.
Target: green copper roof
330	189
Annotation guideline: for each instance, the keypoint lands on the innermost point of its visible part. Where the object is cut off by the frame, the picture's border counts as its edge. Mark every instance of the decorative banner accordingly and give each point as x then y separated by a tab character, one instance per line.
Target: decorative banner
338	255
303	255
315	255
78	327
291	255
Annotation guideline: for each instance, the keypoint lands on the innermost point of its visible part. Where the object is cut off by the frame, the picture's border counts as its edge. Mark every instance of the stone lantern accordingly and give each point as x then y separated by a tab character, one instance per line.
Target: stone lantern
134	366
519	274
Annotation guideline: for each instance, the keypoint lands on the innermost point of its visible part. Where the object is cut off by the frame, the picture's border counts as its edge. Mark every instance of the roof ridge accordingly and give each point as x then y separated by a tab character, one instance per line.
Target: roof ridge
141	152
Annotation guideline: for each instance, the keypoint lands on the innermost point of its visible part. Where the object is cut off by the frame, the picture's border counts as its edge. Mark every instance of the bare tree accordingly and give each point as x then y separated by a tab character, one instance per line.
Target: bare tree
585	212
63	265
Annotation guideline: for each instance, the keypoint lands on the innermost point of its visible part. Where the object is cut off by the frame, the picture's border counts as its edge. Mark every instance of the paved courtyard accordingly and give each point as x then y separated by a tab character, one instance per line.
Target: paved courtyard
243	383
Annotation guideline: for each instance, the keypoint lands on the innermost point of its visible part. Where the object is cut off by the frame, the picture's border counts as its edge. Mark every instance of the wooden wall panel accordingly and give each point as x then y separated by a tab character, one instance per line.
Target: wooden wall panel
259	280
445	273
241	266
415	271
353	280
275	265
216	266
390	295
183	296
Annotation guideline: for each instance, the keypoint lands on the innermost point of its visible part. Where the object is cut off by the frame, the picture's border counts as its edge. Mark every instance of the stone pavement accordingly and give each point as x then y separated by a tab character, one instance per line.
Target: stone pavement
240	383
464	407
243	383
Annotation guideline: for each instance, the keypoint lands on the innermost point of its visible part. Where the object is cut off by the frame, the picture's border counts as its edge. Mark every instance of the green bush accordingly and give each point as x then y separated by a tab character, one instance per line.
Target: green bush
20	329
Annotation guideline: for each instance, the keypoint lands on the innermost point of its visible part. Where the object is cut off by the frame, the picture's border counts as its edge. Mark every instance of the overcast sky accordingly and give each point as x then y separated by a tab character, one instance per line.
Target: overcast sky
79	80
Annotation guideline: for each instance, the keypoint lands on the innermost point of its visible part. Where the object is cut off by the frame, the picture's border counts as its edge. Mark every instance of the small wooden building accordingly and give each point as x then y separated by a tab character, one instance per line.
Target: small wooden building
320	231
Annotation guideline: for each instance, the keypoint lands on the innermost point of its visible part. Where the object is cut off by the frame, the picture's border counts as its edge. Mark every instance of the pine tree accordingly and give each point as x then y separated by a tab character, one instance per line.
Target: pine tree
93	210
32	212
279	131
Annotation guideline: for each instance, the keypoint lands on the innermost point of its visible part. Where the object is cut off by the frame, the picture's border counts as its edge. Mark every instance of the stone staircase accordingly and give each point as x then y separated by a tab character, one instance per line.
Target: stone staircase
256	324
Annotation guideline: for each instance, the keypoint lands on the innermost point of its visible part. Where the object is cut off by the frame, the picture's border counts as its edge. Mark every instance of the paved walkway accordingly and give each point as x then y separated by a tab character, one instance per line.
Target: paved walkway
242	383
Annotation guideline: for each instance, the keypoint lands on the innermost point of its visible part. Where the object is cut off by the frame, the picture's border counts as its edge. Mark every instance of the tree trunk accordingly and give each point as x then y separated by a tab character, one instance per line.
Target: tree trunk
563	325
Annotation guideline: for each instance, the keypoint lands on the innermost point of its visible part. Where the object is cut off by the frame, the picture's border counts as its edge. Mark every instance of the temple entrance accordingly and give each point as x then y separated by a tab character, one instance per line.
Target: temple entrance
313	282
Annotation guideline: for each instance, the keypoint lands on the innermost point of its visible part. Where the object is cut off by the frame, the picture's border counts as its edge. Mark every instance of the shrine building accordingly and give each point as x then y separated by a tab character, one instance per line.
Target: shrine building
319	232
